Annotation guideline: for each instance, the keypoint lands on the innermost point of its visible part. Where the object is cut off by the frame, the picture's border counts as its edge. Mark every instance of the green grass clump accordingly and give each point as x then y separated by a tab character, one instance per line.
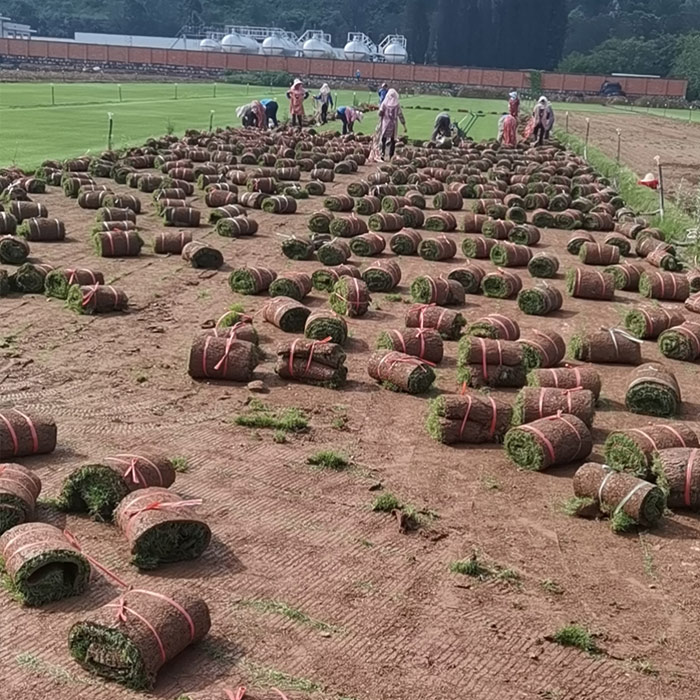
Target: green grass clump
470	567
259	415
328	459
574	506
279	436
393	297
386	503
551	587
180	464
292	613
576	636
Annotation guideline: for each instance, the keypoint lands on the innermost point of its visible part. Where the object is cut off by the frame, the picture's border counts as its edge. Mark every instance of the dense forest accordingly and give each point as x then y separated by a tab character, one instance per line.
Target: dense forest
642	36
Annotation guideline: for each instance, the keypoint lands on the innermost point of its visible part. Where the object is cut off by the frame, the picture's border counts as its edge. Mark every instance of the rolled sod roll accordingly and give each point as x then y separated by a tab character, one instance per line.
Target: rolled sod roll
681	342
472	418
658	258
298	248
335	252
437	290
517	215
534	403
648	323
477	247
495	228
599	254
322	174
677	472
93	199
415	199
266	185
13	250
124	201
230	211
30	279
217	198
653	391
57	282
171	241
389	223
316	362
692	303
633	450
536	200
510	255
340	202
170	193
19	489
324	324
549	442
201	255
8	223
405	242
236	226
382	276
117	244
129	639
325	278
670	286
577	240
626	276
286	314
368	205
181	216
280	205
469	277
115	214
413	217
543	219
598	221
475	350
439	248
295	285
424	343
114	226
514	200
525	234
350	297
590	284
607	345
358	189
569	219
42	230
368	244
646	245
496	376
28	210
96	299
629	229
449	323
567	378
501	284
474	223
320	222
228	358
400	372
619	241
24	433
5	286
543	265
429	187
440	221
251	280
448	201
42	565
348	227
540	301
496	327
392	203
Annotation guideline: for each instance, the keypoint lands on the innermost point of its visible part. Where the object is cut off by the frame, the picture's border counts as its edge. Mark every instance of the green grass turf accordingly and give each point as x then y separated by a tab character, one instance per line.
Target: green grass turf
33	130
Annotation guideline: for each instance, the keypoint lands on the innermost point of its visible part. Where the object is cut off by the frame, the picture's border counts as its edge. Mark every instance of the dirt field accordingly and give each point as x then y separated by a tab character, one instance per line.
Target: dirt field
386	618
643	138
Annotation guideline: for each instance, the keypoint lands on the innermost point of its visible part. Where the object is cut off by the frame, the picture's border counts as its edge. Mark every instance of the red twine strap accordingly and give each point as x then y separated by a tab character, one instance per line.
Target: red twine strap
494	417
238	695
689	478
647	436
466	416
675	432
13	434
280	693
92	291
16	482
133	472
96	564
290	365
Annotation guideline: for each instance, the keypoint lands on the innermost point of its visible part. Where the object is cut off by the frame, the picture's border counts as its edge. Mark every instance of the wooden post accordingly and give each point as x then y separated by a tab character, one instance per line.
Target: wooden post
120	92
214	89
110	129
53	95
567	122
211	120
175	90
662	202
619	144
588	133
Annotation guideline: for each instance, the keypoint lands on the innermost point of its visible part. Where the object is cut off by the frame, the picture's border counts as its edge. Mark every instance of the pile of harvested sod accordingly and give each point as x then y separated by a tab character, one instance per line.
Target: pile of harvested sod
540	301
590	284
23	434
549	442
96	299
473	418
41	565
496	363
626	276
280	205
400	372
447	322
578	239
382	276
495	326
326	324
251	280
42	230
633	450
13	250
200	255
424	343
681	342
671	286
117	244
58	282
625	499
161	527
653	391
607	345
567	378
437	290
317	362
368	245
405	242
295	285
534	403
498	229
501	284
350	297
129	639
548	347
96	489
231	359
286	314
648	323
19	489
441	221
677	473
325	278
440	248
469	277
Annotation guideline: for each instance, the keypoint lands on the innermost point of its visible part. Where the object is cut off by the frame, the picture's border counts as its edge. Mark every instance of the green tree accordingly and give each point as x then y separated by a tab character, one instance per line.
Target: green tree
687	63
417	28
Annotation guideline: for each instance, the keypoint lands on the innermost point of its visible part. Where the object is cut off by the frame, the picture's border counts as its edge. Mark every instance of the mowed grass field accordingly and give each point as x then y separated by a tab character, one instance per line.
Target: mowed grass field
39	121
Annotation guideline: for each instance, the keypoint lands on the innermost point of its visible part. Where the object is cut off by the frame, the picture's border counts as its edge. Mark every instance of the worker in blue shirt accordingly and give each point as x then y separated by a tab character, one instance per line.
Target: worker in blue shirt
271	108
382	92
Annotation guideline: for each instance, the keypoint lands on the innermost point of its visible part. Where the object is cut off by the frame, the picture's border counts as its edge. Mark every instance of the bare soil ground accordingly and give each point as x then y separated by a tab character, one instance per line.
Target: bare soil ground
643	138
386	618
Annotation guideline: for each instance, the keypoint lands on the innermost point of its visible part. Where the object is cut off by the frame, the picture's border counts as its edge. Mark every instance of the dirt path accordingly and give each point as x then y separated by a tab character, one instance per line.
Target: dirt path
397	625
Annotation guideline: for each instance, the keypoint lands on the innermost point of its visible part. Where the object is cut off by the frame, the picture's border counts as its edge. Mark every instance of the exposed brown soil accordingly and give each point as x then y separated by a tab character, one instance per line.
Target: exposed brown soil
398	624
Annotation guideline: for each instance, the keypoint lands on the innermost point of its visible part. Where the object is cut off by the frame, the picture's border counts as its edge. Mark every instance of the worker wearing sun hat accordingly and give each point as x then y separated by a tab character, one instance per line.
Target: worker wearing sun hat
514	104
297	94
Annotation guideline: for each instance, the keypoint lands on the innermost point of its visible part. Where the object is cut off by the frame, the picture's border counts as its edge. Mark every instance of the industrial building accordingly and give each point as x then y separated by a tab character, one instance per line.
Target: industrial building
14	30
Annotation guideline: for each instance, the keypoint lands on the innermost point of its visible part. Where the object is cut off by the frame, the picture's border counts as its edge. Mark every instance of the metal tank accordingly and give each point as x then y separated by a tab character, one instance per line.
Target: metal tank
232	43
274	46
356	51
393	49
209	45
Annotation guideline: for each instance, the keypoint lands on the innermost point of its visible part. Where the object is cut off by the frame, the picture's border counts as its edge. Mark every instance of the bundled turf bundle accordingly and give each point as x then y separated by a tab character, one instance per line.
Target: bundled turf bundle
648	244
543	219
391	204
415	200
129	639
350	297
42	565
93	199
30	279
413	217
424	343
389	223
335	252
653	391
477	247
400	372
96	299
517	215
627	500
23	434
649	322
469	277
42	230
496	327
692	303
5	287
8	223
251	280
117	244
295	285
280	205
161	527
161	204
577	240
441	221
567	378
474	223
598	221
549	442
57	282
510	255
201	255
590	284
324	324
498	229
694	280
488	353
671	286
28	210
536	201
540	301
368	205
626	276
317	362
543	265
19	489
677	473
681	342
323	174
449	323
662	259
607	345
115	214
525	235
368	244
13	250
340	202
620	242
534	403
405	242
634	450
501	284
229	358
547	348
286	314
217	198
448	201
320	222
298	248
569	219
382	276
599	254
348	227
236	226
124	201
170	193
358	189
325	279
230	211
171	241
472	418
264	185
437	290
440	248
181	216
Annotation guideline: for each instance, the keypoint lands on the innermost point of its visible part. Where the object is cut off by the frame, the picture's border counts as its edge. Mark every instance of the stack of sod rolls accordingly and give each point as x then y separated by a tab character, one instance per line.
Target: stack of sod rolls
495	326
567	378
547	346
96	299
224	358
447	322
534	403
317	362
323	324
488	362
677	472
350	297
653	391
324	279
607	345
423	343
473	418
